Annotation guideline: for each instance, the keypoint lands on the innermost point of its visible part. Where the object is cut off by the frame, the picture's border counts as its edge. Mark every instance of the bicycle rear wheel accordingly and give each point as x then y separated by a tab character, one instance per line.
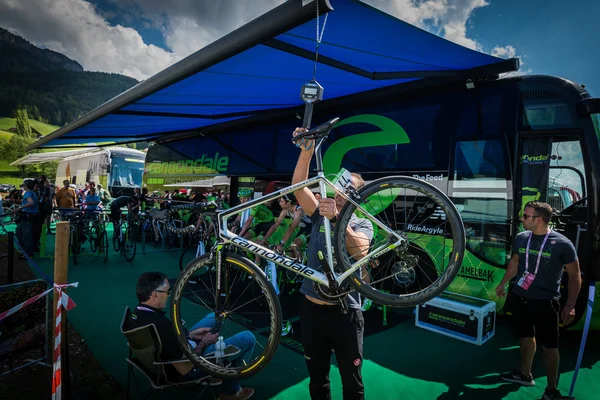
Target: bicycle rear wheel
104	244
94	237
117	239
429	259
243	317
130	242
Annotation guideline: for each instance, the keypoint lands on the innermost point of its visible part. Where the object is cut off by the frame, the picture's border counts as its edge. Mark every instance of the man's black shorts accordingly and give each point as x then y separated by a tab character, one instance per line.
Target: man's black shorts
115	214
262	228
536	318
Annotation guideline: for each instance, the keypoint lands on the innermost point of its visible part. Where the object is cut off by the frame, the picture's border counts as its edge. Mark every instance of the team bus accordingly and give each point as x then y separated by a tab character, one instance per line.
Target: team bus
492	147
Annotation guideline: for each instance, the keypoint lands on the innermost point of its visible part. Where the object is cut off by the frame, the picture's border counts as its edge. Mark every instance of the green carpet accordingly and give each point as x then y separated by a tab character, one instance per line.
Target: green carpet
403	362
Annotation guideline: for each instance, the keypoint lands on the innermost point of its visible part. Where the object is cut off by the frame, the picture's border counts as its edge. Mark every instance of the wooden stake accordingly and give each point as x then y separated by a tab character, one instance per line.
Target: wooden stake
61	267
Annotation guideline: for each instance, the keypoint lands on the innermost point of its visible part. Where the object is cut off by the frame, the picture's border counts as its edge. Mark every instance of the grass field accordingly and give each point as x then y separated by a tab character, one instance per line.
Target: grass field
9	174
44	129
5	135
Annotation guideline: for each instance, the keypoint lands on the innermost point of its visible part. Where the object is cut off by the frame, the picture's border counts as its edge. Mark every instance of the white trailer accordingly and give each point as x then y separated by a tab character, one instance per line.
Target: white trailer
118	169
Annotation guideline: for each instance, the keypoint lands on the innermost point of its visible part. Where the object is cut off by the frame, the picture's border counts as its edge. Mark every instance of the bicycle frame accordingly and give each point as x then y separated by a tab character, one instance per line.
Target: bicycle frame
229	237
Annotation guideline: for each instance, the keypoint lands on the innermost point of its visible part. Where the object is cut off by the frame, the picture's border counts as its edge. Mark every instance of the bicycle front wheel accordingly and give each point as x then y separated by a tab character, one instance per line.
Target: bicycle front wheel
425	264
104	244
117	239
130	242
250	319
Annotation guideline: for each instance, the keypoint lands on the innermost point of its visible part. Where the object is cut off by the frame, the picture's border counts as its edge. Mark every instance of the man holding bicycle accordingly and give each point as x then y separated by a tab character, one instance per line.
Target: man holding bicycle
324	326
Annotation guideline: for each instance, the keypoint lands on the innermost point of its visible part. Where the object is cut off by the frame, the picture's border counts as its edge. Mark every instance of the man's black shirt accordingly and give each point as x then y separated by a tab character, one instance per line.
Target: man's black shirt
144	315
122	201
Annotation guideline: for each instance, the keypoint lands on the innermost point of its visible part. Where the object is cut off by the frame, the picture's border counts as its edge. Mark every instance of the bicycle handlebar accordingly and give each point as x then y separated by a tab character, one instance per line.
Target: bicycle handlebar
204	206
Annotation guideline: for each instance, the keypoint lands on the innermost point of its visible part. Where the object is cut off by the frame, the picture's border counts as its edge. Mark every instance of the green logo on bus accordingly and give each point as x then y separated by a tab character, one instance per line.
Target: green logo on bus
203	165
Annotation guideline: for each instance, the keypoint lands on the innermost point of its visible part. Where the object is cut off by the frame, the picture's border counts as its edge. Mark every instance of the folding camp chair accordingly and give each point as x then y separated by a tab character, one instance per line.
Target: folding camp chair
144	356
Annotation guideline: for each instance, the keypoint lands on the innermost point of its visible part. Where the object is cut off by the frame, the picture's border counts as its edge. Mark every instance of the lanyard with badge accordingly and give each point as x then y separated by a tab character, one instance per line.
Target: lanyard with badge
527	278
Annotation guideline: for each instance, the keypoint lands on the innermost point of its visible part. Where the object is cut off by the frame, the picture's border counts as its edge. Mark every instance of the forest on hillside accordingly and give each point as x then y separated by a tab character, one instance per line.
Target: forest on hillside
58	97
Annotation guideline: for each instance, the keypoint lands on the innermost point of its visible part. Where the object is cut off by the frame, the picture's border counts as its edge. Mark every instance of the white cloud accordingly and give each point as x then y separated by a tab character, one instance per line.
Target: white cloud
504	52
76	29
189	25
448	17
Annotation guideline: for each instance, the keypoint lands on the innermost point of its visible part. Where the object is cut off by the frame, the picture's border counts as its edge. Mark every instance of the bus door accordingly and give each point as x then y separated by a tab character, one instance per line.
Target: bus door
551	168
480	185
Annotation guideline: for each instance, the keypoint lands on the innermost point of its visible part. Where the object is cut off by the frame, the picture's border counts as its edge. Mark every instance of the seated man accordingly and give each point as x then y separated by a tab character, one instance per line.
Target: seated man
153	290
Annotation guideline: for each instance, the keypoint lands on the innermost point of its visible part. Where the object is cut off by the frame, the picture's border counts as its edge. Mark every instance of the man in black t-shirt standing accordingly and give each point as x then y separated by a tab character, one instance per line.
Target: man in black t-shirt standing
115	208
539	256
324	327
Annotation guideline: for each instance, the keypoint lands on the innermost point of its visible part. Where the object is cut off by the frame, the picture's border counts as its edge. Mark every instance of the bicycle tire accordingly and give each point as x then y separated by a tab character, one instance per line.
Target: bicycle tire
239	265
93	238
116	241
75	247
105	245
453	221
130	243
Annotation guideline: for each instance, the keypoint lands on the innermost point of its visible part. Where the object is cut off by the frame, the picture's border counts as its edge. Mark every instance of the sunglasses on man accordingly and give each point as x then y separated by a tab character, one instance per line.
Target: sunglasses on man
527	216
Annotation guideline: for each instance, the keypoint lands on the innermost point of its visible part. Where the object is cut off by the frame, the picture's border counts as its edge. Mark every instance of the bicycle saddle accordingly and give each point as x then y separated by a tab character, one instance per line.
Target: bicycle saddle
318	132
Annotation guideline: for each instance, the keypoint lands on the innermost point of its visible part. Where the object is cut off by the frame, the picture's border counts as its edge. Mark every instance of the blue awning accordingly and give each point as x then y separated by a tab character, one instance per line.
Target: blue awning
258	70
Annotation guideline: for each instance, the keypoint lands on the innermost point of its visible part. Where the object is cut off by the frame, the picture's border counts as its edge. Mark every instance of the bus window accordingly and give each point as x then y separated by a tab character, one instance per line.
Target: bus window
596	122
126	172
544	109
482	191
566	180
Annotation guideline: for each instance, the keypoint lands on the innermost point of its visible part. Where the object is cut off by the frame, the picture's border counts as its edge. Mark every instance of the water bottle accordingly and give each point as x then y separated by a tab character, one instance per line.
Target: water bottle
220	350
200	250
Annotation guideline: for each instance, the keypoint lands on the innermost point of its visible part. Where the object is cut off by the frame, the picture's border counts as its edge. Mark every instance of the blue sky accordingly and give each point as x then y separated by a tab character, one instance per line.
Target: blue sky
552	37
141	37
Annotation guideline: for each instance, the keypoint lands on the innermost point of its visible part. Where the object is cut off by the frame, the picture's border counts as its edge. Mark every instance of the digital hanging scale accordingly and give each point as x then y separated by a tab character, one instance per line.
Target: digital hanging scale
310	93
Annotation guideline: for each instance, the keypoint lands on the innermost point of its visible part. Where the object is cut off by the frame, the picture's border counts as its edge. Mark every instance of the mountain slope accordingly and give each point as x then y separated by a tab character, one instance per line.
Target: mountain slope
18	55
50	86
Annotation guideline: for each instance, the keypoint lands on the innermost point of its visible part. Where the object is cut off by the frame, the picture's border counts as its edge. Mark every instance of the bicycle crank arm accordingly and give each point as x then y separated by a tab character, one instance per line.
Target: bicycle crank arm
335	296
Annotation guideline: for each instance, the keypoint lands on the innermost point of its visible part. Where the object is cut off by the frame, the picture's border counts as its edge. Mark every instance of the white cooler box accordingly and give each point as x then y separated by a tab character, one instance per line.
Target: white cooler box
462	317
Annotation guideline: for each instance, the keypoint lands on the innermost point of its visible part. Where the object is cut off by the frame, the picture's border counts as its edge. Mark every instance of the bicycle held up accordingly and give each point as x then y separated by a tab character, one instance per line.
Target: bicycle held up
416	251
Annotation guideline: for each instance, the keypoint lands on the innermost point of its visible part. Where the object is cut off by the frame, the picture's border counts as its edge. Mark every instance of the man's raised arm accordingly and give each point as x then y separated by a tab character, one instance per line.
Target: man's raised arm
305	197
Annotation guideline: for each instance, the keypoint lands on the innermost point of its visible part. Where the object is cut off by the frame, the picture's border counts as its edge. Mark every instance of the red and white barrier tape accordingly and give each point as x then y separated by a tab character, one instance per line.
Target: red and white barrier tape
66	302
63	301
24	304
